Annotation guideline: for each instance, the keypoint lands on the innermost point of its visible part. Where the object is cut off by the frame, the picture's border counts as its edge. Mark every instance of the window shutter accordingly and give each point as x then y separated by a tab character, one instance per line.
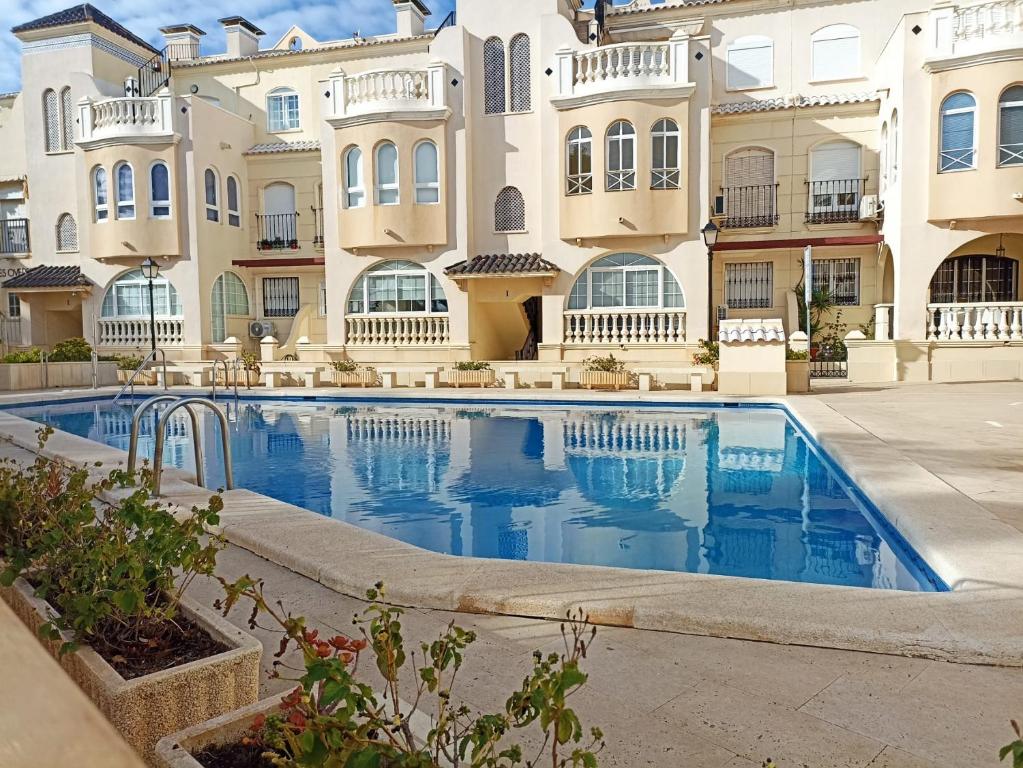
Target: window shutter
749	169
957	131
836	53
751	66
836	162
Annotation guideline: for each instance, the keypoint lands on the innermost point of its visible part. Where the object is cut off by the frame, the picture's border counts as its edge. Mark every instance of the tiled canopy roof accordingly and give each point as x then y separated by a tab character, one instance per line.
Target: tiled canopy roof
503	264
49	277
283	146
78	14
788	102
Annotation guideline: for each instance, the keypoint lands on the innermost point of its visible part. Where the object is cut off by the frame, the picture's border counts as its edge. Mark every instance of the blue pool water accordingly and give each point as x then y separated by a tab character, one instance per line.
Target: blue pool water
731	491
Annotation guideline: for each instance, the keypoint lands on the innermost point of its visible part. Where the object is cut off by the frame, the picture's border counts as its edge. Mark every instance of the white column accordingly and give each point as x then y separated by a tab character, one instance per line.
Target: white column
436	75
678	46
338	95
566	70
85	118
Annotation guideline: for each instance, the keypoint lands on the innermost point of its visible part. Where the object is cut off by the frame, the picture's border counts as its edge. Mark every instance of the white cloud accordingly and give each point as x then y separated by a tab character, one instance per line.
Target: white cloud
320	18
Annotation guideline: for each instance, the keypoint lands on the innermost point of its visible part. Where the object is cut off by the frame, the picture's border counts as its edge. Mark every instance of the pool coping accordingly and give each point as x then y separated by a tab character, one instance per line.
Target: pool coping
976	554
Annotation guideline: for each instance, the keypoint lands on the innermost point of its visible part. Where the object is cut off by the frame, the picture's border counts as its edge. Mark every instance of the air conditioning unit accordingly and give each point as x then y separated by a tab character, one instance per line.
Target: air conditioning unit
259	329
870	207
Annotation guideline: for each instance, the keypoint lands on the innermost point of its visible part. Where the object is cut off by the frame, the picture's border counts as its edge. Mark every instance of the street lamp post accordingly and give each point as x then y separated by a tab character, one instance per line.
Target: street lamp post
151	270
710	239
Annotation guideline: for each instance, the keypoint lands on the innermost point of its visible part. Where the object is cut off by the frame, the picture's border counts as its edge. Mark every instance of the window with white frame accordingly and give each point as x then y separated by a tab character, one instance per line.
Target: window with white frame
749	285
840	278
230	298
159	191
234	209
750	63
100	194
893	149
128	296
322	299
666	157
355	186
626	280
66	233
282	110
835	53
51	120
1010	126
519	79
579	161
212	184
124	190
958	133
397	287
621	157
493	76
280	296
426	164
387	190
975	278
835	180
13	306
883	159
509	211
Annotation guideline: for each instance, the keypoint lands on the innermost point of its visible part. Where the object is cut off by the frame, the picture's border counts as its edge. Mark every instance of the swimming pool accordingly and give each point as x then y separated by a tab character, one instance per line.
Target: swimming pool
730	491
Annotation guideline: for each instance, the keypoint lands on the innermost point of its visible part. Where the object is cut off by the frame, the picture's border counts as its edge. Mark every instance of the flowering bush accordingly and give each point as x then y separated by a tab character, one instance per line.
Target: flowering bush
345	366
609	364
709	354
472	365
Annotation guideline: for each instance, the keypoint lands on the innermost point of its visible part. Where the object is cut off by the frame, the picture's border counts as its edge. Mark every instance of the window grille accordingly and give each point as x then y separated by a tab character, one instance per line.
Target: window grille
521	97
67	233
280	296
968	279
509	211
51	120
1010	127
493	76
67	120
840	278
749	285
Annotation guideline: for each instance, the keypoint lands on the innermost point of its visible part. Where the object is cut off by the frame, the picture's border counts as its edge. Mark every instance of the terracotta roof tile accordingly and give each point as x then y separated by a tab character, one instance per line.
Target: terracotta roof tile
790	102
78	14
503	264
49	277
283	146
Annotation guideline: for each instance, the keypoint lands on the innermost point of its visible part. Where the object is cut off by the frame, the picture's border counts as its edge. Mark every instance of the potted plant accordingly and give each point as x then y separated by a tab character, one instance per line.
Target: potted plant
348	373
127	365
332	718
471	373
250	365
103	583
797	370
604	372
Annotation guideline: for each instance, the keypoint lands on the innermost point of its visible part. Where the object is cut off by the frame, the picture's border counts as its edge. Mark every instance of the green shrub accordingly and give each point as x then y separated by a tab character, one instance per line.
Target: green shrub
1015	748
609	364
24	356
345	366
709	354
76	350
128	363
472	365
797	354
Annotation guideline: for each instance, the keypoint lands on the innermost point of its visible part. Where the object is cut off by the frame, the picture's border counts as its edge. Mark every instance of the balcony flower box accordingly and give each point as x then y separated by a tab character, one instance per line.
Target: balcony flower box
144	378
245	378
613	380
481	378
147	708
362	377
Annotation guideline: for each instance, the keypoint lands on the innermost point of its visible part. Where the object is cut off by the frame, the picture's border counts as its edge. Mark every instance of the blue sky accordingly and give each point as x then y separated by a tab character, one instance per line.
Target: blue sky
323	19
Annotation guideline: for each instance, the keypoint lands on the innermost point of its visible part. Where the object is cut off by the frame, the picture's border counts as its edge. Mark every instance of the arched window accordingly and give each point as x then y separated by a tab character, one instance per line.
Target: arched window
355	186
387	175
51	120
958	133
893	148
626	280
229	298
1010	126
978	278
282	110
100	194
835	52
493	76
509	211
67	233
212	183
67	120
835	182
397	287
621	156
750	63
427	172
159	191
124	190
295	44
278	225
128	296
519	73
750	192
234	207
666	158
884	155
579	161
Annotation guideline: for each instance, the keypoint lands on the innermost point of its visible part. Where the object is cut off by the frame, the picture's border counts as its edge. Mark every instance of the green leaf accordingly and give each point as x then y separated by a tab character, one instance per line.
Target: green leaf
126	600
364	758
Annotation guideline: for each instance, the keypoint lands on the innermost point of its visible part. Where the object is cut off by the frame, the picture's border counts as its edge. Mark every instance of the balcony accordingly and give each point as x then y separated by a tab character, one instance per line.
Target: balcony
397	330
387	94
318	228
277	231
623	71
834	202
127	120
624	326
749	207
14	237
134	332
973	31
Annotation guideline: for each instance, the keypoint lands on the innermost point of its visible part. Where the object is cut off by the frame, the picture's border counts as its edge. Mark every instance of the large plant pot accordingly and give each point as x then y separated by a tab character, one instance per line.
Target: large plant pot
144	378
483	378
797	376
177	749
148	708
363	377
244	378
605	379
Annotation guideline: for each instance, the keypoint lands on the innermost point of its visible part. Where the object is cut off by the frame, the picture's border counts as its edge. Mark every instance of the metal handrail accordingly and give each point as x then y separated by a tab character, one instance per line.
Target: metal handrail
136	426
234	367
161	438
131	380
44	364
95	369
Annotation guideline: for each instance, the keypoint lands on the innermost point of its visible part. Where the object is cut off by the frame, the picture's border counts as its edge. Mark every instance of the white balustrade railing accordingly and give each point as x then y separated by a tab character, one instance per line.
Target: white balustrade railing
623	66
622	326
1002	17
125	118
387	90
397	330
969	29
989	321
134	332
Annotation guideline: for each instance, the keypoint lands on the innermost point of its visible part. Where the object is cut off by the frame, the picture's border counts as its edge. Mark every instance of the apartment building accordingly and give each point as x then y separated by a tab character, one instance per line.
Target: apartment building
525	181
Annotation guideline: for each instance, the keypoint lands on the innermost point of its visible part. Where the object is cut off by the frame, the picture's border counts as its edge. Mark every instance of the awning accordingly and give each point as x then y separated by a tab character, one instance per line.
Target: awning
503	265
48	280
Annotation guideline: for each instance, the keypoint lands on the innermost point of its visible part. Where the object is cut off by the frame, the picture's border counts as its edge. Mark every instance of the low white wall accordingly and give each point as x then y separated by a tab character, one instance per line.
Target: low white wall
938	361
16	376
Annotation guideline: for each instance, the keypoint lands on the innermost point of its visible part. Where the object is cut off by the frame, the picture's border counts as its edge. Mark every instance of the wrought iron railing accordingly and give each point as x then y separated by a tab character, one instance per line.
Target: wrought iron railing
14	236
318	227
833	202
449	21
154	74
750	206
277	231
183	51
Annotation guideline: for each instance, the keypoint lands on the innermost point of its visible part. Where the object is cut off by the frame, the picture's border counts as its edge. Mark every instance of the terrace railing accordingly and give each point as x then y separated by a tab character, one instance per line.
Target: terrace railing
974	28
750	206
277	231
623	67
134	332
981	321
624	326
834	202
387	90
125	118
14	236
318	227
397	330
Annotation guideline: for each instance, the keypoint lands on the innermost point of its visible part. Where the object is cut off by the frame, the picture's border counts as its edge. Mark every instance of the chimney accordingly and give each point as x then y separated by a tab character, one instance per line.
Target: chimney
182	41
242	36
411	17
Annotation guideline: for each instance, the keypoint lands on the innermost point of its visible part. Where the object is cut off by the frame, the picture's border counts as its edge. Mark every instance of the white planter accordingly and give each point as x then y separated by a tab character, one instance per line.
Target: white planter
18	376
363	377
605	379
483	378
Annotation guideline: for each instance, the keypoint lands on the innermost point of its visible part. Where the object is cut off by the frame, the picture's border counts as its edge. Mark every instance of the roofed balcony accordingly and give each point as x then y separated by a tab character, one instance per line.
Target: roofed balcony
125	120
387	94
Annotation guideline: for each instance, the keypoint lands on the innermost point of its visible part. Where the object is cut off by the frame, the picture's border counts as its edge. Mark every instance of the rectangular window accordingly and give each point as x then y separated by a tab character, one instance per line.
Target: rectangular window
411	293
13	305
608	289
322	293
749	285
840	278
381	293
280	296
282	112
641	288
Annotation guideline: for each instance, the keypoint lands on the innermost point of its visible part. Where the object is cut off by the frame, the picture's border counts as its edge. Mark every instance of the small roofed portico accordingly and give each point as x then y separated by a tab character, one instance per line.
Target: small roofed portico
51	303
505	299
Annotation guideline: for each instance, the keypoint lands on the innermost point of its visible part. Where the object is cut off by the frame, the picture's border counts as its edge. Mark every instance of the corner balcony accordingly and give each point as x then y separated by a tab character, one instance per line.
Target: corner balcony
387	94
14	237
973	31
623	71
126	120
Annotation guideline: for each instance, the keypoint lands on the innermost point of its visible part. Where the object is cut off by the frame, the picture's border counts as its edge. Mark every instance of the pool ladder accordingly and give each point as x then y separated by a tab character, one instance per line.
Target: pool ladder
188	404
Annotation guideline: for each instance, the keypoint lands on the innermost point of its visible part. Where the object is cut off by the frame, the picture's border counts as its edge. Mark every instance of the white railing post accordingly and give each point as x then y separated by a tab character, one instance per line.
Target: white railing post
566	70
338	92
882	322
678	47
436	75
85	118
165	106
